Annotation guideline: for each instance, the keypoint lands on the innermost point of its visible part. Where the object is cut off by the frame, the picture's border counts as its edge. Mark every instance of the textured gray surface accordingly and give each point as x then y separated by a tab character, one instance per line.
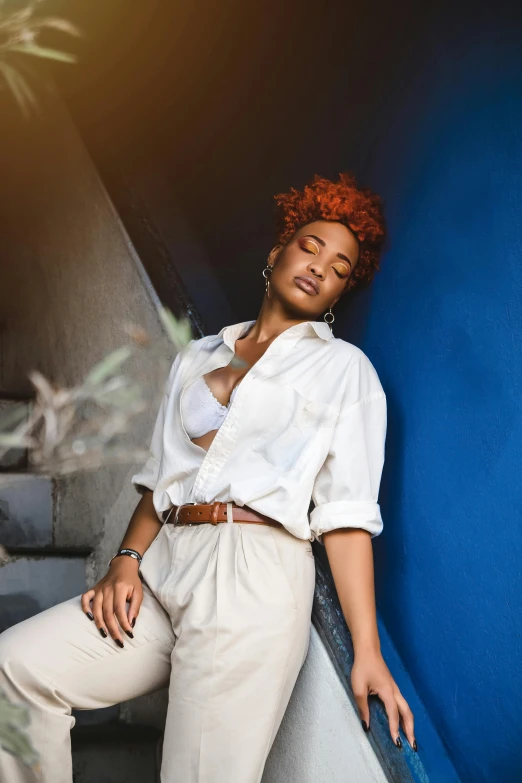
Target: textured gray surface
30	584
14	458
70	286
26	510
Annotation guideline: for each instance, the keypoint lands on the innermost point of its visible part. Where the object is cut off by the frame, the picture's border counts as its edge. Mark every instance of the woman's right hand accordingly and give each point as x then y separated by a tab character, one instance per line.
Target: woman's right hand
121	583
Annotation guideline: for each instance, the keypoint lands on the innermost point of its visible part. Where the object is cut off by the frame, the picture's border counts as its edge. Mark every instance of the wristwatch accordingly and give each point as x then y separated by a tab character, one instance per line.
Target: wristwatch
130	553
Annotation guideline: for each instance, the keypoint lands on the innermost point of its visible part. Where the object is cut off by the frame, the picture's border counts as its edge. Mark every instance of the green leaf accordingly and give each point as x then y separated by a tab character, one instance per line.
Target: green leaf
13	719
20	89
179	331
108	366
16	19
41	51
14	441
63	25
121	398
10	417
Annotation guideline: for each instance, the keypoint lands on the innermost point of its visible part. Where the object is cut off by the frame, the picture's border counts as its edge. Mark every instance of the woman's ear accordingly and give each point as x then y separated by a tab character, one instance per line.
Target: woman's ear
272	256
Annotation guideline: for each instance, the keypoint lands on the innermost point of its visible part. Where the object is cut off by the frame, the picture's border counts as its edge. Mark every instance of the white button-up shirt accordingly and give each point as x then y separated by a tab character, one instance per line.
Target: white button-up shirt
308	422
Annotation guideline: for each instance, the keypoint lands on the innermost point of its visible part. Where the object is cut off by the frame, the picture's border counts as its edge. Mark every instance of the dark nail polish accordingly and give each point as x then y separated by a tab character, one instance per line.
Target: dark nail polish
414	746
130	634
103	632
133	622
398	741
365	725
120	644
89	615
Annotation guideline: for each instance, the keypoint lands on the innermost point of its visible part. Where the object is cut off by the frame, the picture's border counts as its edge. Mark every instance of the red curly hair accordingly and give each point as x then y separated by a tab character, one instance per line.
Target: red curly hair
357	208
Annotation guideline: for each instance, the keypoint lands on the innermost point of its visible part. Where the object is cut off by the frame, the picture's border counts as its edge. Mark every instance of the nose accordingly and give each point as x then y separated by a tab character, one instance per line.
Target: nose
315	269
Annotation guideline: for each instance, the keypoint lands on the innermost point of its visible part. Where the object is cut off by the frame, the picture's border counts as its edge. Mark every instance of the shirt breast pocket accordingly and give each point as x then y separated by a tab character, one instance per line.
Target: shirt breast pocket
300	425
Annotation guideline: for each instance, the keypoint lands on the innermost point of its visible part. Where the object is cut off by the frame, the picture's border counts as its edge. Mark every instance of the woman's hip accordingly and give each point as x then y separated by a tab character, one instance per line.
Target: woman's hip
238	572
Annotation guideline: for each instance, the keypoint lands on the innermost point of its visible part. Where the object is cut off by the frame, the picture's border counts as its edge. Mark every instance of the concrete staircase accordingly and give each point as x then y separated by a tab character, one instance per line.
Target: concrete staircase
40	574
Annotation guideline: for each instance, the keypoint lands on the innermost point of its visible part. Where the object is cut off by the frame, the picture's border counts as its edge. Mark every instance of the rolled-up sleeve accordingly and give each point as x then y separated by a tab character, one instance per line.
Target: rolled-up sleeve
346	488
147	478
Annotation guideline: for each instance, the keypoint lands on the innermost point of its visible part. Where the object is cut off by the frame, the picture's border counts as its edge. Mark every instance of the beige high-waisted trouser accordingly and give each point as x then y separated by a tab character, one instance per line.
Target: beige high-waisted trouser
225	622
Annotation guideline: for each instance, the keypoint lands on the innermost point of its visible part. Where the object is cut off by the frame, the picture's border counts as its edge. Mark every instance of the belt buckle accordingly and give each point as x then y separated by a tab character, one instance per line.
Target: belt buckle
214	512
189	503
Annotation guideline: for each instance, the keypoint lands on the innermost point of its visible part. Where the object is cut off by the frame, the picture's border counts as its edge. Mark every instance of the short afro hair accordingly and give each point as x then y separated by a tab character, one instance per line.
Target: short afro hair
344	202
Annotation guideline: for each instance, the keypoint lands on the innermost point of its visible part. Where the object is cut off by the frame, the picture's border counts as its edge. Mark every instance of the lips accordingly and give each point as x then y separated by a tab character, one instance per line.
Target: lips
307	284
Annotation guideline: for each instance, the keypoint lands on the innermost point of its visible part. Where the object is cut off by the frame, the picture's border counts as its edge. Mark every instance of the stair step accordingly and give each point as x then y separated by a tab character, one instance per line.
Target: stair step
116	752
26	510
50	551
14	459
31	583
102	716
115	733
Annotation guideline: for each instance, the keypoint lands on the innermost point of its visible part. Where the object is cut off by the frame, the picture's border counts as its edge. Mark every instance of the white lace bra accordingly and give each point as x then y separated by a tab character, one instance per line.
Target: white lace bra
201	411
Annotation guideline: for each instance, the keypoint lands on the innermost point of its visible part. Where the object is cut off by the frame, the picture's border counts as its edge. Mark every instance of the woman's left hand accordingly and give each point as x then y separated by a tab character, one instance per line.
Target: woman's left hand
371	676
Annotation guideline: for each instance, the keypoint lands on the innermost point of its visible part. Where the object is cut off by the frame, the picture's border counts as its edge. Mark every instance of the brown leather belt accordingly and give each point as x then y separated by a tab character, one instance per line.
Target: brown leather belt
190	513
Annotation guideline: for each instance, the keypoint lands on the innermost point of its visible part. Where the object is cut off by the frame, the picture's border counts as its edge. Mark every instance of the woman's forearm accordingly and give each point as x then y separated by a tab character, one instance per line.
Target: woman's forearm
350	556
143	527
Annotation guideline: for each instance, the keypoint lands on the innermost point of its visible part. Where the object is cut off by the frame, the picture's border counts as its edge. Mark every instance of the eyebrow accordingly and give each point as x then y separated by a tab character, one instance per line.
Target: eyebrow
323	243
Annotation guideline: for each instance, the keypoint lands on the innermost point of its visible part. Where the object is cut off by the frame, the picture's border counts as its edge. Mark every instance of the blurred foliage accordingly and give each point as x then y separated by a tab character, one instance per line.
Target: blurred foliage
83	427
20	34
178	331
14	718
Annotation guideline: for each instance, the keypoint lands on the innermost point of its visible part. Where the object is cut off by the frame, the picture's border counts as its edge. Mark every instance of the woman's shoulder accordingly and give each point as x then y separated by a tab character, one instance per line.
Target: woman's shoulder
351	352
358	364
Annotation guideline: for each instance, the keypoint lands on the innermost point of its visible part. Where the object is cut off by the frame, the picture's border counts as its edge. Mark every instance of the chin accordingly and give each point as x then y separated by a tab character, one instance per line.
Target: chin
293	307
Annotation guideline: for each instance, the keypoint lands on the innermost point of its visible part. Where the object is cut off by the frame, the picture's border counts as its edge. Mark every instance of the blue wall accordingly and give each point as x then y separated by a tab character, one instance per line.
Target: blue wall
443	326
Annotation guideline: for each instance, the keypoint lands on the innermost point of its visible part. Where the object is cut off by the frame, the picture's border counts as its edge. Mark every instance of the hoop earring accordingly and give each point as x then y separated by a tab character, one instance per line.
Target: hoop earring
329	322
267	268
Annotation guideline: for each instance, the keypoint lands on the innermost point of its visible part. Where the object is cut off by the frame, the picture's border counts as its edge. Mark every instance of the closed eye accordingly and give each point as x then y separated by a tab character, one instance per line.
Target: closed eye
303	245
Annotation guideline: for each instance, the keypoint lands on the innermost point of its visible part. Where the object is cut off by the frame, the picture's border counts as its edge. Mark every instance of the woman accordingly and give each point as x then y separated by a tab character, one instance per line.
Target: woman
216	565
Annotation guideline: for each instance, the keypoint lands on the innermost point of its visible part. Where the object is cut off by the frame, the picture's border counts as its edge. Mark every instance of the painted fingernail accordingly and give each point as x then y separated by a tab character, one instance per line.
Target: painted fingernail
130	634
414	746
119	643
365	725
398	741
103	632
133	622
89	615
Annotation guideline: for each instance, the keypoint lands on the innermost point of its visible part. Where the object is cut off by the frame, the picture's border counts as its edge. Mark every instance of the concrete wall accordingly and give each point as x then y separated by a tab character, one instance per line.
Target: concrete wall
321	739
69	283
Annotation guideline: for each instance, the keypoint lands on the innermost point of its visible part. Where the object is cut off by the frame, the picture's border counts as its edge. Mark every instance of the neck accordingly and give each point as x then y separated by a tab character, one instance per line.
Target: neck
271	321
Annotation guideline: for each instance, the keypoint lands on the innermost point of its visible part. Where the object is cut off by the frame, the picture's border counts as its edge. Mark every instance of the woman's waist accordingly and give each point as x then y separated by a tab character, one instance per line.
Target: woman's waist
215	512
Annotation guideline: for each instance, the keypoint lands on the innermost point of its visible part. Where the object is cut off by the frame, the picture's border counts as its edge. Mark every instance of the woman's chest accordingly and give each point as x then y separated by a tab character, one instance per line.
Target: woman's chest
224	380
278	406
266	418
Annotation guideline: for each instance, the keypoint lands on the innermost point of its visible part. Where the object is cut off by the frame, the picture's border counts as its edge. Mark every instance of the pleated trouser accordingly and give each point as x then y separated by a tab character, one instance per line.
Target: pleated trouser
224	622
